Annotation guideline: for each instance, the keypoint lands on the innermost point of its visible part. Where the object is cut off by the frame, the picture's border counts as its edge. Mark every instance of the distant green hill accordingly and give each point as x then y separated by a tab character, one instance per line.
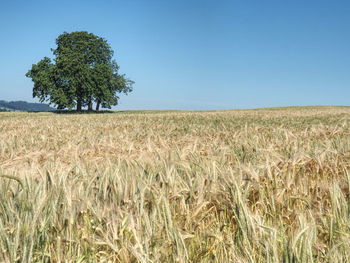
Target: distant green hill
23	106
4	109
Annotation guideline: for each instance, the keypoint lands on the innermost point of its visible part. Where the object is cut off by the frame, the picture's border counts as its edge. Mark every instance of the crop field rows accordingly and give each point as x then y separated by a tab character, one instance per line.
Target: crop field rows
265	185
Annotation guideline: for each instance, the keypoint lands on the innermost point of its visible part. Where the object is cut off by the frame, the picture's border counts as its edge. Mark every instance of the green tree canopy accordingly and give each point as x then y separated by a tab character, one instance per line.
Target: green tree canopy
82	72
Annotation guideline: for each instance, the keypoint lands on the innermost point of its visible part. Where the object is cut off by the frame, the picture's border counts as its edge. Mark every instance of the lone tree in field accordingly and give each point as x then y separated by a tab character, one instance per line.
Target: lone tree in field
81	73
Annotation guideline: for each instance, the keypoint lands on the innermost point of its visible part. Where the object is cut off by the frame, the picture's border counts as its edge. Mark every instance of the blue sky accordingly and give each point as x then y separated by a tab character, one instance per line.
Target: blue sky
194	54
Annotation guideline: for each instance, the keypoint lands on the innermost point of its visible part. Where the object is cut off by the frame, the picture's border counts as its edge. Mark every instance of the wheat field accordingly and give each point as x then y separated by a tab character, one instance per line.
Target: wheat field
265	185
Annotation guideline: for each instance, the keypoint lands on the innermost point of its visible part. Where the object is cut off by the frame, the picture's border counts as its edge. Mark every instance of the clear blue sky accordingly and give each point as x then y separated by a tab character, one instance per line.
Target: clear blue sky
194	54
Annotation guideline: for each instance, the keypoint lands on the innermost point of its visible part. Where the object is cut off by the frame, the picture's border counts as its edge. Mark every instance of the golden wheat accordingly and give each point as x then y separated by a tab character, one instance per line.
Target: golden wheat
265	185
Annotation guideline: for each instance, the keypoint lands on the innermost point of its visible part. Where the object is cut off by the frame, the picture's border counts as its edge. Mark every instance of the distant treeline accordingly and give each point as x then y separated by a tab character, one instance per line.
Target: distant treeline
23	106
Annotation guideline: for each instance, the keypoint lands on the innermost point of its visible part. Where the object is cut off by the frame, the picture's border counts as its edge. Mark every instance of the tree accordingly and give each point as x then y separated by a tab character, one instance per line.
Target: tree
81	73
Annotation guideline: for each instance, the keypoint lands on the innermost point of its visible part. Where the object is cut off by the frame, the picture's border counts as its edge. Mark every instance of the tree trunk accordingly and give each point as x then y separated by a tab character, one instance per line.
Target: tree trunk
90	106
98	105
79	105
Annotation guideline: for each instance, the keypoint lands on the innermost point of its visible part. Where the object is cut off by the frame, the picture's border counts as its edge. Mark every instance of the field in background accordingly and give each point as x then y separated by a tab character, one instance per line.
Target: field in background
266	185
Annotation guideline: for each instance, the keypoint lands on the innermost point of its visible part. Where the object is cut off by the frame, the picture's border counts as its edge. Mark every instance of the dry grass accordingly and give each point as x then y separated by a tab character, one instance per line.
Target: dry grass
269	185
